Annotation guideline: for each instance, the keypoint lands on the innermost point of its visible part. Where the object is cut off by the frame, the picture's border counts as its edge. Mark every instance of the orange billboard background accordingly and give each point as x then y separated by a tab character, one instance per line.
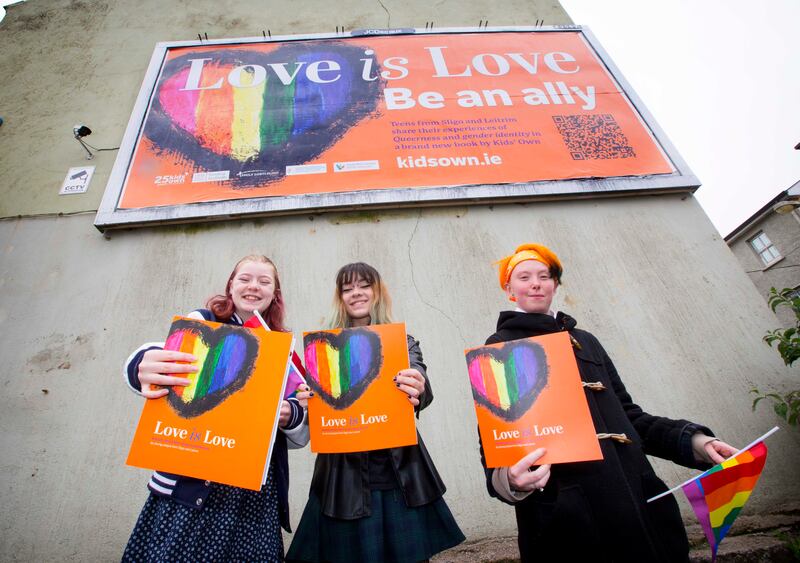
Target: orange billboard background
413	111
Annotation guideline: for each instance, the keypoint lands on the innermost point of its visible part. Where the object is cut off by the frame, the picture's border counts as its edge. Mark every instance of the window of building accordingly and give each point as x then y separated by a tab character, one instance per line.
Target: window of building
764	248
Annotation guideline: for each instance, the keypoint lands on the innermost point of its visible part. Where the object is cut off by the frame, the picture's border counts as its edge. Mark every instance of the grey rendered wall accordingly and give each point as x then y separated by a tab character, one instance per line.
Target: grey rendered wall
649	275
784	232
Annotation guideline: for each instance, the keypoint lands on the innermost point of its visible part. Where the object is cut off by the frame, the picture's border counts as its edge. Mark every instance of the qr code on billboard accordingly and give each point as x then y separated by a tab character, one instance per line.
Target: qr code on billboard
593	137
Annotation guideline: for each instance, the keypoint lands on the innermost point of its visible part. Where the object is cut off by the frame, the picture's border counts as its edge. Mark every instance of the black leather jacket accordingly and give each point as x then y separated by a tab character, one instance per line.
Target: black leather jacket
341	480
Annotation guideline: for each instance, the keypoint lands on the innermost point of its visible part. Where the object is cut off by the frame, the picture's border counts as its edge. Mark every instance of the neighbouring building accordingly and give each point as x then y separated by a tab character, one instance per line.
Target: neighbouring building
767	245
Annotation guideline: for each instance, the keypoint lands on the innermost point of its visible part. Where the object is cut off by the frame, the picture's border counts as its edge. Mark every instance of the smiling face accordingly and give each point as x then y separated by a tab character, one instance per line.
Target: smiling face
252	288
358	298
532	286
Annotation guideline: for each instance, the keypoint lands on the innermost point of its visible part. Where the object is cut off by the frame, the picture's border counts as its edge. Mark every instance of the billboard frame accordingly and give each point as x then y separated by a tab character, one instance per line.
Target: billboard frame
109	216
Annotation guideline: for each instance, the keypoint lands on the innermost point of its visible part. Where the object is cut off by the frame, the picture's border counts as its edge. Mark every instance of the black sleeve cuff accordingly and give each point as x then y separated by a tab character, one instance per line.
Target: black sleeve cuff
686	452
296	416
132	369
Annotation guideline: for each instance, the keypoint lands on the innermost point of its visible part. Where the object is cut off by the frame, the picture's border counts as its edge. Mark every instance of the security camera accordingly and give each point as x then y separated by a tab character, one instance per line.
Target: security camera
80	130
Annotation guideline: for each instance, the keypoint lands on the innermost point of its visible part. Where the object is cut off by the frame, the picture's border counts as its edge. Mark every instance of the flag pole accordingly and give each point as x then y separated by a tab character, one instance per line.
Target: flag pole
747	447
262	321
291	360
756	441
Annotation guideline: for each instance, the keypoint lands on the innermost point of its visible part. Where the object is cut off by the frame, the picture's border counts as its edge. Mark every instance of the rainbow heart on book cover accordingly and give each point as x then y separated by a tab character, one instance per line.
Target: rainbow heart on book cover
528	394
357	406
221	427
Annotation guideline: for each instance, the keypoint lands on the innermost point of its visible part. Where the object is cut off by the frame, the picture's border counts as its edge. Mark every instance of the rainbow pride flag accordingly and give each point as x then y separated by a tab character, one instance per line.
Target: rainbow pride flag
718	495
297	372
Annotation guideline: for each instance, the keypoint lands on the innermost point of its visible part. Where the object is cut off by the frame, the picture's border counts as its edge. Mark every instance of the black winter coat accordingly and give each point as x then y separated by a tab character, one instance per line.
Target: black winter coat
597	510
341	480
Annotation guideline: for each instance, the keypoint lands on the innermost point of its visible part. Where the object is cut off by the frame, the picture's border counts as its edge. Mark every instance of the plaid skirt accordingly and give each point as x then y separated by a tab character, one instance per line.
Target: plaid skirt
233	525
392	533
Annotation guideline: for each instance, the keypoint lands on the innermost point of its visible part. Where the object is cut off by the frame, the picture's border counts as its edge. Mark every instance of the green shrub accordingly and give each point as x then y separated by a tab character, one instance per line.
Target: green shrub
786	406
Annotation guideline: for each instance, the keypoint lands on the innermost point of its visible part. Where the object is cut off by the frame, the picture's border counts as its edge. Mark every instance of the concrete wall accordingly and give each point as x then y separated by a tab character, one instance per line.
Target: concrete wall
649	275
784	232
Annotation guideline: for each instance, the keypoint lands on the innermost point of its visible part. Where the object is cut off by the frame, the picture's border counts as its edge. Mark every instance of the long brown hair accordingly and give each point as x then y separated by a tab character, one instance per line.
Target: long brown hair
222	305
381	310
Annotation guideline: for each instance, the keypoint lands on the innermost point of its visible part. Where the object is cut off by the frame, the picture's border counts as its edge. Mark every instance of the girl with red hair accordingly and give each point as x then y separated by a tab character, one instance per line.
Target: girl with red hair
187	519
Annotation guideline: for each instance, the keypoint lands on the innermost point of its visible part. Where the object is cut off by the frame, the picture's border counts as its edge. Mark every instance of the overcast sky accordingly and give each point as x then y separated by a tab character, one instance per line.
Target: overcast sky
3	4
722	79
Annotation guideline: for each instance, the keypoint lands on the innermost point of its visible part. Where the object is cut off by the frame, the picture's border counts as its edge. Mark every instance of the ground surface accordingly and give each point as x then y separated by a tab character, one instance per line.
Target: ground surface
753	539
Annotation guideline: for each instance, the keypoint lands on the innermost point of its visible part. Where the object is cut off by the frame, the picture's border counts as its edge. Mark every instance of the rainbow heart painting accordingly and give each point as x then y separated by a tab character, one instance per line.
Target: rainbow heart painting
340	367
226	357
508	380
252	113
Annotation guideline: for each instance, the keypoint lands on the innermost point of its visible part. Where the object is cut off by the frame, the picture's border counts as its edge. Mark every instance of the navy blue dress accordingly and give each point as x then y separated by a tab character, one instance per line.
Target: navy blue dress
234	525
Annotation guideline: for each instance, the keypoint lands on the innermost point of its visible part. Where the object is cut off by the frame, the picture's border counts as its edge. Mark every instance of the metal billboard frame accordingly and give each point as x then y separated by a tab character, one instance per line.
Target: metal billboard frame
109	216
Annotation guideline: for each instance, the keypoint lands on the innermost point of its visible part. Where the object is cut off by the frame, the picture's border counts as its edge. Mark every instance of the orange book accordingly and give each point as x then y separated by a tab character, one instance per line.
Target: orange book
356	405
221	427
528	394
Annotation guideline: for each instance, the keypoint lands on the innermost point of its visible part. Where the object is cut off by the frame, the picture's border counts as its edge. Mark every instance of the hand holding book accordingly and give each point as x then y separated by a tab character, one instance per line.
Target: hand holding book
523	477
160	369
304	392
410	382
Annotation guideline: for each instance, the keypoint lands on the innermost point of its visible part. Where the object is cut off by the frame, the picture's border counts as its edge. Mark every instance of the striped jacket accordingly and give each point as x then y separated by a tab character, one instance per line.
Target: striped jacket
192	492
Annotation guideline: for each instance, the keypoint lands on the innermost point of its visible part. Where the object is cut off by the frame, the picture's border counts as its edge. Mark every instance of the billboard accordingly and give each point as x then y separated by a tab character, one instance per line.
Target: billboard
279	125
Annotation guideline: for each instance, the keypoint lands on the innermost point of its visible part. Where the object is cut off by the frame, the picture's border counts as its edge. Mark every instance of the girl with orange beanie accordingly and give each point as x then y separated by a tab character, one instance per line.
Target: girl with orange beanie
593	510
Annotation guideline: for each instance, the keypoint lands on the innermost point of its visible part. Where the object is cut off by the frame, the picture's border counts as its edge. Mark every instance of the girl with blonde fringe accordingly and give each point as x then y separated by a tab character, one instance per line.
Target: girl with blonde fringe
383	505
